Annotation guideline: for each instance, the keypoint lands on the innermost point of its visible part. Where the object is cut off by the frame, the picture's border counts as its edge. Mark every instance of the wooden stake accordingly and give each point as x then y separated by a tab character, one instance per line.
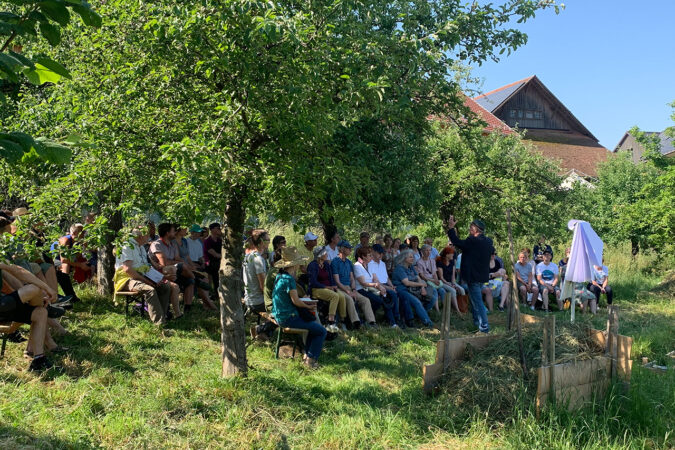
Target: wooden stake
515	301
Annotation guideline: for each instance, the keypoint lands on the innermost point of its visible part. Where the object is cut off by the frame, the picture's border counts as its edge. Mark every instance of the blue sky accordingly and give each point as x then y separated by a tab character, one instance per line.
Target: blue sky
611	62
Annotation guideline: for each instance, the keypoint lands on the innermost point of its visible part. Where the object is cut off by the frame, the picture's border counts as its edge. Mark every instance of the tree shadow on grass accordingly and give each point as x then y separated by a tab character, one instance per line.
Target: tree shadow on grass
13	437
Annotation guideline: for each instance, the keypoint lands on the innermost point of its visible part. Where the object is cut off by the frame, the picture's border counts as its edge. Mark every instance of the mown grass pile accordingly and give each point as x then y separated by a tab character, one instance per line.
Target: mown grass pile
491	379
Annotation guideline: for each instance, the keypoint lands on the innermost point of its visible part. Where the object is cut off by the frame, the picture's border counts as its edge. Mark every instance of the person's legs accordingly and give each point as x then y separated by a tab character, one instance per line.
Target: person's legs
352	314
393	297
544	296
505	292
416	305
333	299
535	294
315	337
489	301
609	294
156	308
65	283
188	293
596	291
206	301
477	307
557	299
522	292
431	298
452	295
366	308
404	304
38	331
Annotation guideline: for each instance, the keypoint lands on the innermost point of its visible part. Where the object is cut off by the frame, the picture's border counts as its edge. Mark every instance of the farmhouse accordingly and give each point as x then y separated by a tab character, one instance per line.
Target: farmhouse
628	143
529	105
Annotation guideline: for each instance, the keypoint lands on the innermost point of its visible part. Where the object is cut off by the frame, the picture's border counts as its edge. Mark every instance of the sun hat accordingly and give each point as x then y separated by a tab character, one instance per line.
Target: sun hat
311	236
196	228
290	257
20	212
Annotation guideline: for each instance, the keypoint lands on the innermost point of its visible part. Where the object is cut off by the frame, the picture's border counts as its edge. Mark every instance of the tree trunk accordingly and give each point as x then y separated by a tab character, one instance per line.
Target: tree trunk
327	223
106	256
233	334
635	247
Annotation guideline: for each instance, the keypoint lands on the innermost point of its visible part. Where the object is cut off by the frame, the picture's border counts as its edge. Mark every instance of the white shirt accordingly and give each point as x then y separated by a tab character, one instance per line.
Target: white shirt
195	249
360	271
379	269
548	271
332	254
133	252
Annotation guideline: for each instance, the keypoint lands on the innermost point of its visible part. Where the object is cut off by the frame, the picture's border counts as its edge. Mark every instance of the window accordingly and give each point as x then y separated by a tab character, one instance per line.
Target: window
538	115
520	113
529	114
512	113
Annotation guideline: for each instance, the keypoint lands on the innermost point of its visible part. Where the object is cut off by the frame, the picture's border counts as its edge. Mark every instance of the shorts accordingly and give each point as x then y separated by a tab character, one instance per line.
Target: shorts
19	312
542	287
46	266
182	281
520	283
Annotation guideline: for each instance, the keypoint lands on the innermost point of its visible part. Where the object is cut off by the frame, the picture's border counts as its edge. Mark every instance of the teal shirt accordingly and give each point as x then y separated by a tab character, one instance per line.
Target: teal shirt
282	305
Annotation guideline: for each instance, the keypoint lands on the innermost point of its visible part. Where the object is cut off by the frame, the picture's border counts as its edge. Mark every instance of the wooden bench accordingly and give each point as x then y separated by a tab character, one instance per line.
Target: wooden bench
6	329
130	297
299	335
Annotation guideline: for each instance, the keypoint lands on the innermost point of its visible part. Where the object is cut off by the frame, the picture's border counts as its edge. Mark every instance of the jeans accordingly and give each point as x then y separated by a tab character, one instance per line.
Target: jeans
478	308
432	297
409	303
395	306
315	337
376	301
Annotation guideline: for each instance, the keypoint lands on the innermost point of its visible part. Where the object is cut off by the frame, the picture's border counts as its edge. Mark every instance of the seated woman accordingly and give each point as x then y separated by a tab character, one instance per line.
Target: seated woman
426	267
599	283
497	286
322	287
445	269
286	305
371	289
410	289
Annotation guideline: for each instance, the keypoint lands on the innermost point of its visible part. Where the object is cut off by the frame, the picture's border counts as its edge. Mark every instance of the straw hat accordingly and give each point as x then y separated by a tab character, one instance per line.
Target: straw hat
19	212
290	257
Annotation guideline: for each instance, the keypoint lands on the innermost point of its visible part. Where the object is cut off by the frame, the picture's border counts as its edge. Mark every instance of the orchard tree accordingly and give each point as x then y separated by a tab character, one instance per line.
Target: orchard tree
481	175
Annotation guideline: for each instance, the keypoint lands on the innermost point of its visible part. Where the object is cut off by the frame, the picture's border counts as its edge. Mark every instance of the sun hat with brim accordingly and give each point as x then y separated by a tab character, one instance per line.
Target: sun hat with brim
290	257
344	244
196	228
310	236
20	212
479	224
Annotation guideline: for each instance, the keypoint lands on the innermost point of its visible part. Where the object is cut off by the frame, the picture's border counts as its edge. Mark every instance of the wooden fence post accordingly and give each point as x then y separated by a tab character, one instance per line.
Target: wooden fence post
514	304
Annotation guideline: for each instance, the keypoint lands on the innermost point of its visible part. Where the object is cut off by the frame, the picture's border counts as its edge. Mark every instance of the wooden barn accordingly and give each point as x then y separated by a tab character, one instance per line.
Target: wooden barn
529	105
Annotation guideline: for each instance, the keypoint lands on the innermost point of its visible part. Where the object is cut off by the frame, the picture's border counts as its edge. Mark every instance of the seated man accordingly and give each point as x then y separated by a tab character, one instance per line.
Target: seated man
164	252
72	262
130	267
599	283
525	279
343	274
202	285
378	269
547	276
30	305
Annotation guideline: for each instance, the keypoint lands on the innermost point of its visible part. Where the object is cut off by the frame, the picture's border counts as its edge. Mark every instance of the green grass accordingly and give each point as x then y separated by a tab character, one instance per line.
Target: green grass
126	384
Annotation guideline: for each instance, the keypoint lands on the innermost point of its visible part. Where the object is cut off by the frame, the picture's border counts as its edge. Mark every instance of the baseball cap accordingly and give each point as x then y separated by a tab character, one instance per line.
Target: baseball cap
344	243
378	248
309	236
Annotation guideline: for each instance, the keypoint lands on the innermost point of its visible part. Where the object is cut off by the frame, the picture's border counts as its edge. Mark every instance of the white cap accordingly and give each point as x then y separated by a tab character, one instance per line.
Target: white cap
311	236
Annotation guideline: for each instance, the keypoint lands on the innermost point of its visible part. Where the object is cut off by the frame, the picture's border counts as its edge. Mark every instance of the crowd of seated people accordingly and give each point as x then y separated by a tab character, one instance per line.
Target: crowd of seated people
316	287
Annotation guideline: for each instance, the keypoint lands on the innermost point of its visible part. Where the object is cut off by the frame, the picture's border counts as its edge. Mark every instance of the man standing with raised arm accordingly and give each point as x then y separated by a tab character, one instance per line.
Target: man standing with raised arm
476	252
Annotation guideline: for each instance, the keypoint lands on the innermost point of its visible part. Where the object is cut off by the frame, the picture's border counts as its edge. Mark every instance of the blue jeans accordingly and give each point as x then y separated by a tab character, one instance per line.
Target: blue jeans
395	306
376	301
432	294
409	303
478	310
315	337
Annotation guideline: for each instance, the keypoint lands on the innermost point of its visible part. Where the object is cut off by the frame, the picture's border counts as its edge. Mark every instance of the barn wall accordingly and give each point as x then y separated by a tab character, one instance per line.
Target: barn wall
529	109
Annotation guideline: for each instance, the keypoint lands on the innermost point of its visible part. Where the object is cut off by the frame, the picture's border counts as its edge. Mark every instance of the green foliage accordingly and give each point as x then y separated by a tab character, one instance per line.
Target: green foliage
19	25
483	175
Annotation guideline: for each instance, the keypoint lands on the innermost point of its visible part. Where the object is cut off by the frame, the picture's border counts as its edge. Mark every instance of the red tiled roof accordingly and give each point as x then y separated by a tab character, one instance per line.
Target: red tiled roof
582	159
493	122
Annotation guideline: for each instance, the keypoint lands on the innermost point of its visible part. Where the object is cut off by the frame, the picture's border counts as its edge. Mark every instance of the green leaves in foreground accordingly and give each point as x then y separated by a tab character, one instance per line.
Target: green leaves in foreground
15	146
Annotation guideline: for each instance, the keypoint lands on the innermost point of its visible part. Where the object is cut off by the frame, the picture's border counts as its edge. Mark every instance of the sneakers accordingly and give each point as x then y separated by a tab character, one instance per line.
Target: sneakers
54	312
332	328
501	308
40	363
532	307
16	337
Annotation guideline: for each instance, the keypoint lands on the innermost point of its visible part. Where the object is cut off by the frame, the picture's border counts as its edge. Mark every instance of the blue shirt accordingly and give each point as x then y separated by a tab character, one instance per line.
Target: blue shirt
342	269
401	273
282	305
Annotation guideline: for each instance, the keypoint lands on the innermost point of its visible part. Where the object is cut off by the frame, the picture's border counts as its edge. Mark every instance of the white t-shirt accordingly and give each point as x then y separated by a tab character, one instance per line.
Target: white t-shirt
195	249
332	254
360	271
254	264
547	271
379	269
599	275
